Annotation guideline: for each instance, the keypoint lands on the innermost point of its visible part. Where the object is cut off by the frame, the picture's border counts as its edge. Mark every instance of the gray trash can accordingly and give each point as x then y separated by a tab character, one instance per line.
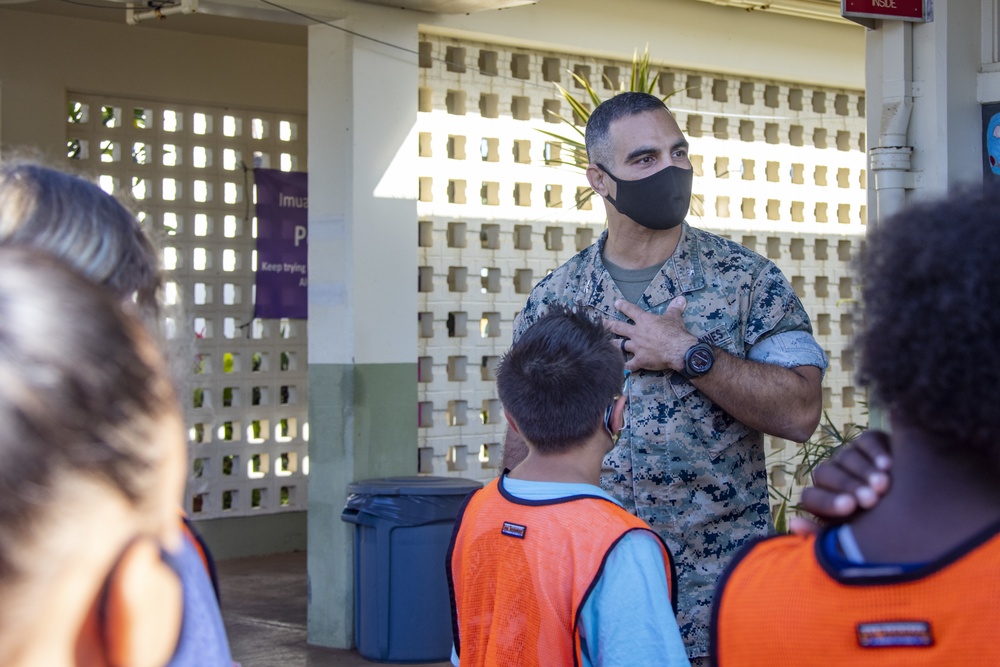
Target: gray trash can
402	531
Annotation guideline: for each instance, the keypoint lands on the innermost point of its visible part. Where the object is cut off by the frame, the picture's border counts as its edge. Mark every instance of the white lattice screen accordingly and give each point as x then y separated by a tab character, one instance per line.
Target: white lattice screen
780	167
245	400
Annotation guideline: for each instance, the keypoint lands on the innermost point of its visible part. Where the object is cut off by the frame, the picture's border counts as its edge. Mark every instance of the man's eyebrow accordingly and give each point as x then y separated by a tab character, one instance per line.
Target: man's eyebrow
652	150
641	152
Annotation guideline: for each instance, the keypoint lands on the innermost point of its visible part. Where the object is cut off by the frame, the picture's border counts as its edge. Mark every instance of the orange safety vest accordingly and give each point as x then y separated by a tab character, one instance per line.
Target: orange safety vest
780	603
520	571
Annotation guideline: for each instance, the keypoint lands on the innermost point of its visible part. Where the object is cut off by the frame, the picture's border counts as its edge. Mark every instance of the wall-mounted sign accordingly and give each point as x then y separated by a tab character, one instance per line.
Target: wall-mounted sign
862	11
282	243
991	143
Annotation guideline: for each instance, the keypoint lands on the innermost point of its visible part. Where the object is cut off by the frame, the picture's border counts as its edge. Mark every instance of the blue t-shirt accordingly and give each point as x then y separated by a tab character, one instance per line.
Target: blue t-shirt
843	554
202	642
627	620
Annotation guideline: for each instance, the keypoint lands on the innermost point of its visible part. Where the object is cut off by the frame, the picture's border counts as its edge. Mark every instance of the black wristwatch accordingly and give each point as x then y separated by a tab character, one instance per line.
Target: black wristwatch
698	360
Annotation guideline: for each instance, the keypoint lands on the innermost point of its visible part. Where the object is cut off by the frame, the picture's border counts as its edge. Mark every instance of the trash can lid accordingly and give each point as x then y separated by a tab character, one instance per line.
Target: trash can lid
416	485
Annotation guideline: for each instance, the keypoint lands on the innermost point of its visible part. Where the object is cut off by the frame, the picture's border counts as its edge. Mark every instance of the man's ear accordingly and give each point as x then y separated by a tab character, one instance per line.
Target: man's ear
598	180
143	609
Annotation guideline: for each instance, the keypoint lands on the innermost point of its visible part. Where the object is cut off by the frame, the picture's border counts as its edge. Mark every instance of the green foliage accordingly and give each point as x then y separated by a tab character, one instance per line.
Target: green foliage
781	519
74	149
107	150
808	455
109	118
75	112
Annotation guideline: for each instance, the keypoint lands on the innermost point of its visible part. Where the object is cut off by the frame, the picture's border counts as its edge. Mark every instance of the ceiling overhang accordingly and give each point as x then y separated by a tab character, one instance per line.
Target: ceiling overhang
824	10
451	6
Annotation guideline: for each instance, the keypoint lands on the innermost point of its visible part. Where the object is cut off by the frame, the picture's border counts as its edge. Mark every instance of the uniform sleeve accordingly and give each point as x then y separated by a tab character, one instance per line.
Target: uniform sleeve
774	307
628	620
789	349
525	317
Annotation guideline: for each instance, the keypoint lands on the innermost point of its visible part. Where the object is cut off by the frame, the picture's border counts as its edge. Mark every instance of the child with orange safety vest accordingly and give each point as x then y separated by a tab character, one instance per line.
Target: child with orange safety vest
916	579
545	568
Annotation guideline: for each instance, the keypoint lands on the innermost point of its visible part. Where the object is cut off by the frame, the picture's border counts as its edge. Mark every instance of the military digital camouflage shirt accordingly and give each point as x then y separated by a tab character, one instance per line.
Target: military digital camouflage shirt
694	473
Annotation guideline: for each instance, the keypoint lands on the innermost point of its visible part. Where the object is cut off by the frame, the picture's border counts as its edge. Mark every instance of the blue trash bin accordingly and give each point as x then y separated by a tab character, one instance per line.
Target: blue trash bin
403	527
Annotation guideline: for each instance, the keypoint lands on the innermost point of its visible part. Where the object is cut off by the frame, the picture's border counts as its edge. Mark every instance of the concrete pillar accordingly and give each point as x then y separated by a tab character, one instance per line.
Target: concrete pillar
926	72
362	290
934	65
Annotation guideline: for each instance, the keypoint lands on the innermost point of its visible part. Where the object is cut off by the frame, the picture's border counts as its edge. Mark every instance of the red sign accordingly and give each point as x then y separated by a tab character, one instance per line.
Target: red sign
902	10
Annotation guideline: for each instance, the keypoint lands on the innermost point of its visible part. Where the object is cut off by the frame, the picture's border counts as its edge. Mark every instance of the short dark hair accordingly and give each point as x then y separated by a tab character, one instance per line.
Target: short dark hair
557	380
610	110
82	395
930	278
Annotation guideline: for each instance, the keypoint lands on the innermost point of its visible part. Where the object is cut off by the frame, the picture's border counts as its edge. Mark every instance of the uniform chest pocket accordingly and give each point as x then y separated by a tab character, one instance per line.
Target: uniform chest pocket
712	426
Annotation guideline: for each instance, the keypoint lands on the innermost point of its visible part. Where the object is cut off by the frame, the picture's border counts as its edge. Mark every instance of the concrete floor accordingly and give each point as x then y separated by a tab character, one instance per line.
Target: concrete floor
264	608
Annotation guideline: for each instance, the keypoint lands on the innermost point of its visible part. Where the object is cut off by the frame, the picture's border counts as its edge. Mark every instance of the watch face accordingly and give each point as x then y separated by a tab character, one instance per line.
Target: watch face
701	360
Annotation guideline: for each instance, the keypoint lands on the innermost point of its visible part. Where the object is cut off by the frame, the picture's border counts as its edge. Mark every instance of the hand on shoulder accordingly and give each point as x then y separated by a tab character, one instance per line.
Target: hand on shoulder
855	479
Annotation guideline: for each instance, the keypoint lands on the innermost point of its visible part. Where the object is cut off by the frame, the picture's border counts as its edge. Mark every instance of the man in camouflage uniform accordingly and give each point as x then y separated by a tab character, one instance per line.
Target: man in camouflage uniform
719	348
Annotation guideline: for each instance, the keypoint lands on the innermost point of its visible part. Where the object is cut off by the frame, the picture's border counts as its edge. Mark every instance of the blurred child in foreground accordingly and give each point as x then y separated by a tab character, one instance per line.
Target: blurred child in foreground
92	444
915	579
74	220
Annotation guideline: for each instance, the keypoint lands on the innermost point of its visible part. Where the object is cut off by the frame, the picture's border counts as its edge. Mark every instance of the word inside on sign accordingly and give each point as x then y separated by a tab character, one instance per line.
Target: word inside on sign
904	10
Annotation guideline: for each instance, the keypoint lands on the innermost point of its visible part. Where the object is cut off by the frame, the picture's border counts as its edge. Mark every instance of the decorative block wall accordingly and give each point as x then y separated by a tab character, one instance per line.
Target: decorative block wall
779	167
242	382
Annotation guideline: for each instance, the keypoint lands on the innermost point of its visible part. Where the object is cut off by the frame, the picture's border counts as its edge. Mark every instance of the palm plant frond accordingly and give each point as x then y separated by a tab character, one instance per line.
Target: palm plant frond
643	78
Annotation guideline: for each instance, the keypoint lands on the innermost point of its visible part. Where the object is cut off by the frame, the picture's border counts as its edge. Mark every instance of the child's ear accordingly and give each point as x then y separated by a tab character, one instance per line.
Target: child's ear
143	609
618	413
511	424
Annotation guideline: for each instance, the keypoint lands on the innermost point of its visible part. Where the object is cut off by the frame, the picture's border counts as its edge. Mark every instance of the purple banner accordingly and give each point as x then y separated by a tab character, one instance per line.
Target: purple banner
282	244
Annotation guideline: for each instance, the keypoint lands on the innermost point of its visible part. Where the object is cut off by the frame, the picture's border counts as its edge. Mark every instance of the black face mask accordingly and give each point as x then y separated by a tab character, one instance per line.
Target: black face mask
660	201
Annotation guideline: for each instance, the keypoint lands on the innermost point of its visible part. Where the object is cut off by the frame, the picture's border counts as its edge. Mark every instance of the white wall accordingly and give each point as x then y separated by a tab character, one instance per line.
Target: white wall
41	57
680	33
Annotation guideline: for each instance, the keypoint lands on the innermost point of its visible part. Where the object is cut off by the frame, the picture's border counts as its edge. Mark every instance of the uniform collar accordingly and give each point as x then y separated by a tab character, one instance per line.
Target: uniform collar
680	274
